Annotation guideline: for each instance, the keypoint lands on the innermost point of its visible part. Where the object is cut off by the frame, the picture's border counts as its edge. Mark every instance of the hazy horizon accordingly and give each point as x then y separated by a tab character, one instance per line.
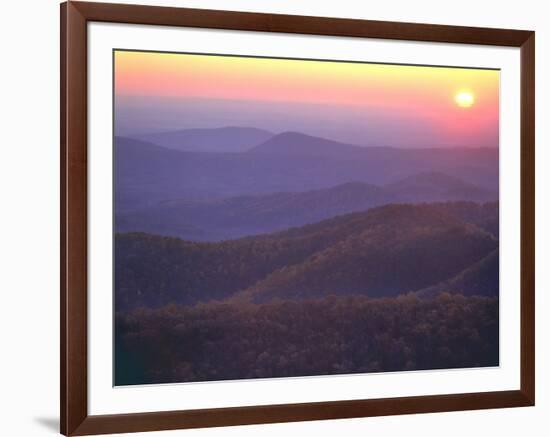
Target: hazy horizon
355	103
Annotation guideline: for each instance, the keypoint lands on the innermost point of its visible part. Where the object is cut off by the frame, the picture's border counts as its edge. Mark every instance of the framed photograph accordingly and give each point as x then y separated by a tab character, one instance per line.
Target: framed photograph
274	218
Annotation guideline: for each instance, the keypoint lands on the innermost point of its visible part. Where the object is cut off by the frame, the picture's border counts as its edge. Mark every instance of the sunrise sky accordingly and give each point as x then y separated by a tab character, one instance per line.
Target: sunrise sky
360	103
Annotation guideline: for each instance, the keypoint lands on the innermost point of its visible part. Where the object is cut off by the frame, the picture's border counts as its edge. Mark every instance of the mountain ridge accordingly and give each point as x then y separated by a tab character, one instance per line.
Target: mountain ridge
234	217
296	143
221	139
343	255
148	175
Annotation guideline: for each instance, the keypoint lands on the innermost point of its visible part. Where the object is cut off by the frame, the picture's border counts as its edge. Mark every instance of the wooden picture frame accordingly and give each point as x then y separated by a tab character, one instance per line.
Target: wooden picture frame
75	419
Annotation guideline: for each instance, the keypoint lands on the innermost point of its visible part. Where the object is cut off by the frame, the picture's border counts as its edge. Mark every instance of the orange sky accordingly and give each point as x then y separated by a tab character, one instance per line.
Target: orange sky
391	89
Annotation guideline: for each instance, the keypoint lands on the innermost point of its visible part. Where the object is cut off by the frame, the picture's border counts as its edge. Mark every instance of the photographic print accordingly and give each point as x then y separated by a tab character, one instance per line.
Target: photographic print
282	217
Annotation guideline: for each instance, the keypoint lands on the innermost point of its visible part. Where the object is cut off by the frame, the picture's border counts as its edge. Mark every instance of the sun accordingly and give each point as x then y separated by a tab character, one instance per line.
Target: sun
464	99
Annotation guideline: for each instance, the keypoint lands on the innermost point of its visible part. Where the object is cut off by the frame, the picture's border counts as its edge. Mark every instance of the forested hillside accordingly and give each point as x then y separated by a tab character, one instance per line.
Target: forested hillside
334	335
374	253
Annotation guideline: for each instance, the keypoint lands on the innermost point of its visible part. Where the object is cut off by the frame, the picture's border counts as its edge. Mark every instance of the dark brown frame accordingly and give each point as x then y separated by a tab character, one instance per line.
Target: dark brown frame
74	391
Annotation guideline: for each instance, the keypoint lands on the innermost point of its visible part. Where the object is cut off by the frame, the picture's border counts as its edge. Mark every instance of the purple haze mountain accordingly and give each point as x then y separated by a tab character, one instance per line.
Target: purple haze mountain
437	187
235	217
224	139
290	162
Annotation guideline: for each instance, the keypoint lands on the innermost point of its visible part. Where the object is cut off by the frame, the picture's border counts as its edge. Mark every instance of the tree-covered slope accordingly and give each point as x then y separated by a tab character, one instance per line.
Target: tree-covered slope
334	335
481	279
382	252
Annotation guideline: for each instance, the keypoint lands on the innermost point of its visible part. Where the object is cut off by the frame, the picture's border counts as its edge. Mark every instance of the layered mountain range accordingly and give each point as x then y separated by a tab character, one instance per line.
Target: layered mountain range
286	180
240	253
147	174
235	217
